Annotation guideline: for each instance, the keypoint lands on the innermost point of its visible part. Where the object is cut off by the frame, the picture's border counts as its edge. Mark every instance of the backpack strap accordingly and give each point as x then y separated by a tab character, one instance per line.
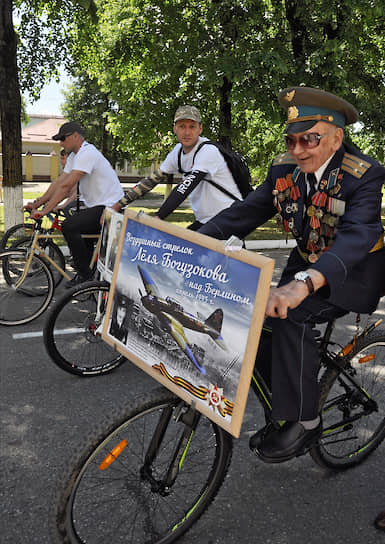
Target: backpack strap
181	171
225	191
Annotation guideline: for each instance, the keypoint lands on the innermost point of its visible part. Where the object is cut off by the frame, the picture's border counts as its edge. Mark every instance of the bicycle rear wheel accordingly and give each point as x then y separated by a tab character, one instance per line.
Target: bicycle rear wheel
72	331
16	233
51	249
23	302
126	501
353	413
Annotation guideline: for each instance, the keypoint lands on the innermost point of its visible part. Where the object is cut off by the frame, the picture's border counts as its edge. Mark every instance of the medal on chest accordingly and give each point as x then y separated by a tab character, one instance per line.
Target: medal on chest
285	196
323	214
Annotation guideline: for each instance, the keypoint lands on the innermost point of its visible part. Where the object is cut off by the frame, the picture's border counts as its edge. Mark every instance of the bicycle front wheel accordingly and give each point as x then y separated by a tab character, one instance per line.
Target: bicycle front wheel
52	250
72	331
125	500
23	300
353	405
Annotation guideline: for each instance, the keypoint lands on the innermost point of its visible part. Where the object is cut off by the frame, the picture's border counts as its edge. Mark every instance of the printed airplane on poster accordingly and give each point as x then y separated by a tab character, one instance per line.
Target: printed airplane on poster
173	318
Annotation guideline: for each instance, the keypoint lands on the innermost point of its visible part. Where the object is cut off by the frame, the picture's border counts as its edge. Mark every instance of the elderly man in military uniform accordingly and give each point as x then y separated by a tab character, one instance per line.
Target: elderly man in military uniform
328	196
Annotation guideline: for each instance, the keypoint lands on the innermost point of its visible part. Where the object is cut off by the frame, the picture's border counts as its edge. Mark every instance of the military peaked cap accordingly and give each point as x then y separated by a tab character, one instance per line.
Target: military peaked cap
307	106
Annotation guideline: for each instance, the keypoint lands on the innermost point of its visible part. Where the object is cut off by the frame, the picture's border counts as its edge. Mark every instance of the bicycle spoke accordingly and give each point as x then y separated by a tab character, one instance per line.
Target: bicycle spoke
127	502
72	332
356	411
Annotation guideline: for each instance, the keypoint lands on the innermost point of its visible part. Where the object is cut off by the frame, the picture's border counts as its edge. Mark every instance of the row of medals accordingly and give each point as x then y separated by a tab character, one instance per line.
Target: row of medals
324	213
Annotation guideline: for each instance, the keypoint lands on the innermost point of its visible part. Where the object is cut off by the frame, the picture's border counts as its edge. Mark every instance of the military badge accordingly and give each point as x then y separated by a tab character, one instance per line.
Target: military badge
292	113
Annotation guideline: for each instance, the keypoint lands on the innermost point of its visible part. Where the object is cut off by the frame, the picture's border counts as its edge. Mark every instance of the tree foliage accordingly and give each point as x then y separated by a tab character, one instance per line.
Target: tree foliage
153	56
42	26
230	58
340	46
88	105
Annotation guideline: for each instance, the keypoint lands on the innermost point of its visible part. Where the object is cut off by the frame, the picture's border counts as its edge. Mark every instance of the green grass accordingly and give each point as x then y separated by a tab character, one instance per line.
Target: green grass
30	196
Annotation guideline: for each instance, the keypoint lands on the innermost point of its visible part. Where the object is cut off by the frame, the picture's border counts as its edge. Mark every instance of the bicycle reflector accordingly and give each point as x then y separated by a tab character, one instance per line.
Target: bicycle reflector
366	358
113	455
347	349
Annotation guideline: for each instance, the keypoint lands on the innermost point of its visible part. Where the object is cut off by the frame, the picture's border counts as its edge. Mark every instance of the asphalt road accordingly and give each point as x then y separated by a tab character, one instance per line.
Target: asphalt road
46	412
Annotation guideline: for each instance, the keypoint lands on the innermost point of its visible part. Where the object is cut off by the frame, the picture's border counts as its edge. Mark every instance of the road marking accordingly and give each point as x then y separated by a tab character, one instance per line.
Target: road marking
23	335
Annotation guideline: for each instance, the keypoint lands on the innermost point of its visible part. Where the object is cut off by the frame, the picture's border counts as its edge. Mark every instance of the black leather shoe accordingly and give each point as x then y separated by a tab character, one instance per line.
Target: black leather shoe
291	440
77	280
257	438
379	522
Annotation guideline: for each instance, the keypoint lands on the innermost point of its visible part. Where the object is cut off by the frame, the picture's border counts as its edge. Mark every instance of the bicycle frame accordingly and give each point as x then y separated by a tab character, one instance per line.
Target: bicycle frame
36	248
261	391
189	417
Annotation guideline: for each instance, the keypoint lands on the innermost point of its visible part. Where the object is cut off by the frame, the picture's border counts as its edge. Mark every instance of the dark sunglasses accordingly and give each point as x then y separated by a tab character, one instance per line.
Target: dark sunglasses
62	138
307	141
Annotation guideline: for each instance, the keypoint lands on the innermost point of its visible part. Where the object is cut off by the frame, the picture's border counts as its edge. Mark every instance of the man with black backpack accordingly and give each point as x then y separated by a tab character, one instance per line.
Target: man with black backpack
212	177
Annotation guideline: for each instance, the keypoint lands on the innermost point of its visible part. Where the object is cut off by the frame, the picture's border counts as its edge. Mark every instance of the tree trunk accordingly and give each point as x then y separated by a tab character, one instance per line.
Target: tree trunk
225	118
10	112
298	31
228	20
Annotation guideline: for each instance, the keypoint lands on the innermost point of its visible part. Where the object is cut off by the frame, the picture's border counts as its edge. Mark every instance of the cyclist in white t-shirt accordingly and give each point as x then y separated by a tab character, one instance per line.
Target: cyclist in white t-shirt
206	200
98	187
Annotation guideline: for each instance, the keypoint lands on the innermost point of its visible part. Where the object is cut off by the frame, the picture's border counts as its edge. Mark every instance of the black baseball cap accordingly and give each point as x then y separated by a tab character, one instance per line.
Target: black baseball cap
69	128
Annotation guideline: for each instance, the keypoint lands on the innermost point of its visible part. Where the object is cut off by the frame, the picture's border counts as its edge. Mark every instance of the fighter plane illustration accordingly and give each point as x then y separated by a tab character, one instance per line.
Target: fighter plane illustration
173	318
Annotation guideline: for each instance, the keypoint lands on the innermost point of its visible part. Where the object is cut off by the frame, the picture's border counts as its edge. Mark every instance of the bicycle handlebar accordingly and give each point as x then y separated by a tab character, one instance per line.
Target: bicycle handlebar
54	217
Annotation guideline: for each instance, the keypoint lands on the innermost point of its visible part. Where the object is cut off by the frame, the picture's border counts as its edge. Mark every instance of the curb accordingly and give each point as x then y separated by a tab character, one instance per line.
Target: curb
270	244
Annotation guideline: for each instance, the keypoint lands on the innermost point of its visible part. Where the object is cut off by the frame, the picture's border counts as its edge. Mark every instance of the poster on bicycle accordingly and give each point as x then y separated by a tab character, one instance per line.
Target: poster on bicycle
109	243
188	310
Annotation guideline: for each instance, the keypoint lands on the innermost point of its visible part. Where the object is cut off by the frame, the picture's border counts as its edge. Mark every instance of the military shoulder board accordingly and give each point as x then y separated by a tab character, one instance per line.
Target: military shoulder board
354	165
284	158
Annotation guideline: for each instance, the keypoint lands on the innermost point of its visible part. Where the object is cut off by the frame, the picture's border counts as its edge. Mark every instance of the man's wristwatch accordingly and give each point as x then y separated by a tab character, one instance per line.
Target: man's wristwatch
305	278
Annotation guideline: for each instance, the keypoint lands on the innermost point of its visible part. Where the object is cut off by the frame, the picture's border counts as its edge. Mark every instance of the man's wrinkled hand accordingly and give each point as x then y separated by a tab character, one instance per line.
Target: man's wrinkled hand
281	299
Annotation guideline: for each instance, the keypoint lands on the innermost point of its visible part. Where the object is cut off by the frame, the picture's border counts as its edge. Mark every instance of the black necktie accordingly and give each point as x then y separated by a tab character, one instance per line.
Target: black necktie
311	189
312	183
